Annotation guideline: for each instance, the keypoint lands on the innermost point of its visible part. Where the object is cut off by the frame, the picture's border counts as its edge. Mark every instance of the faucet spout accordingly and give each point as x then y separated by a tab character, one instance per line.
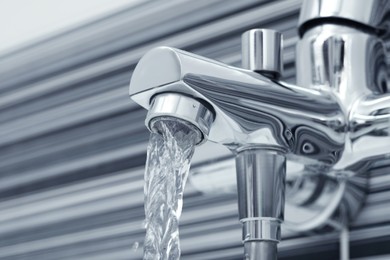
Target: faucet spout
250	109
184	108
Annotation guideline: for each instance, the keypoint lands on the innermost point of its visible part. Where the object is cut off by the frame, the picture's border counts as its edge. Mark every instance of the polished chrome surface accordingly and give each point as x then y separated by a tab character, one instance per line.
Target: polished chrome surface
262	51
370	129
260	184
344	60
372	13
261	189
260	250
334	122
250	109
313	123
261	229
352	65
182	107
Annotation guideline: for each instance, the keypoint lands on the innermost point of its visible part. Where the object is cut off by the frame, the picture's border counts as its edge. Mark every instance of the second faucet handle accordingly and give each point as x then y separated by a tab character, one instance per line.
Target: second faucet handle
262	51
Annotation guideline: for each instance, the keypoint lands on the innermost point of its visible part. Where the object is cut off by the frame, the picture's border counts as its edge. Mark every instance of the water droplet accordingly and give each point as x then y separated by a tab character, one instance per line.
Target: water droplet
135	246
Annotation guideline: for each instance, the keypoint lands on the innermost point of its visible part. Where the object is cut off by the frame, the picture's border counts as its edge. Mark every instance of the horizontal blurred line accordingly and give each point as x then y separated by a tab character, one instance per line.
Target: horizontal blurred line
75	165
115	33
206	32
76	112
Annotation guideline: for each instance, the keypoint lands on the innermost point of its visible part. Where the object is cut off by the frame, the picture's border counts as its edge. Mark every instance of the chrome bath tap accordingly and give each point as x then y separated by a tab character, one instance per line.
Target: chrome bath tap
335	120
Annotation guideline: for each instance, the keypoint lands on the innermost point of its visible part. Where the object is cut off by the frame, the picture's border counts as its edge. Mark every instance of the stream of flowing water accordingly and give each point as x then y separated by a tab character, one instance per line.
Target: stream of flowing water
169	155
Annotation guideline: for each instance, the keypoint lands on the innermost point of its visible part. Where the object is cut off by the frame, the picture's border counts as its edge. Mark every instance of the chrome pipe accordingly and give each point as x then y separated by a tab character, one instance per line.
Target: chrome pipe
260	250
261	178
313	198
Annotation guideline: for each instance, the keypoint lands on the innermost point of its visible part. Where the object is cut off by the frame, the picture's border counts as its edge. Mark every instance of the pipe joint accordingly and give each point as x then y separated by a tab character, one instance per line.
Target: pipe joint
261	229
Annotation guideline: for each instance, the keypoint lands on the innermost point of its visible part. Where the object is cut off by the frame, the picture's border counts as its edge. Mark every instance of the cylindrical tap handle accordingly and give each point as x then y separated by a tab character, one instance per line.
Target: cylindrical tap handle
262	51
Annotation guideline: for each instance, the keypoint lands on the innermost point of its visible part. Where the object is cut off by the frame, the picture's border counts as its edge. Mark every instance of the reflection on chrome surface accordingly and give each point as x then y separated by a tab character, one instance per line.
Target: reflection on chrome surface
250	109
335	121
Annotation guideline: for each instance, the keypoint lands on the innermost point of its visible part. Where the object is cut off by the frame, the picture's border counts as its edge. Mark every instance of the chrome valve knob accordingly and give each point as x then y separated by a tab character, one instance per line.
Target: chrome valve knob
262	51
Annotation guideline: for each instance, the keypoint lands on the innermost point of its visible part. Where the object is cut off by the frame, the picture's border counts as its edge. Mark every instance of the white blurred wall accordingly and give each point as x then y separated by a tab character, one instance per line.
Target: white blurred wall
23	21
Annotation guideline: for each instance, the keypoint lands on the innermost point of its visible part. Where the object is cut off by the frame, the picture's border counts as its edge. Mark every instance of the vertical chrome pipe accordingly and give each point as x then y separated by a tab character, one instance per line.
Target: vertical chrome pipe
260	250
261	188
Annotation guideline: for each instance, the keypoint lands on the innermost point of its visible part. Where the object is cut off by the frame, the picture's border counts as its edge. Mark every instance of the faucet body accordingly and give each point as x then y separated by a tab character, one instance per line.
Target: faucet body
334	120
351	64
249	108
339	118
